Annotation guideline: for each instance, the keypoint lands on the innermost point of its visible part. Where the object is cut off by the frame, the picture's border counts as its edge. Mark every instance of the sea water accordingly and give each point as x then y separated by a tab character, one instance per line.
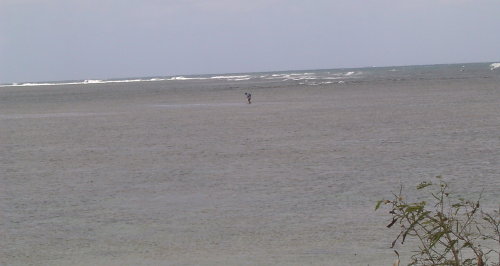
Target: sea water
181	170
309	77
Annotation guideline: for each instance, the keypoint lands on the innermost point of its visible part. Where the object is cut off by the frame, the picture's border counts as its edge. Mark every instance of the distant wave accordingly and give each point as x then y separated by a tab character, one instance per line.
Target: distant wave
30	84
316	83
494	66
221	77
184	78
83	82
240	77
92	81
314	77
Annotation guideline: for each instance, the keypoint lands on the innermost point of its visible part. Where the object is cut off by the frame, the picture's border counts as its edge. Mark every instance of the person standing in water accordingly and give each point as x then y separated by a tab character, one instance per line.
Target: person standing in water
249	97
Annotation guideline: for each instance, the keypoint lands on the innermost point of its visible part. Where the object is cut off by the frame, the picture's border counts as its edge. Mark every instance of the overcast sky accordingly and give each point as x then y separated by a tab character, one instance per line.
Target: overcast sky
48	40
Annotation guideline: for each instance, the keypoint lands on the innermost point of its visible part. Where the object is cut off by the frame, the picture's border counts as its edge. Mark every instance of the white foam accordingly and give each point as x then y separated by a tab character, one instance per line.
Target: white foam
241	79
31	84
494	66
291	76
34	84
316	83
312	76
85	82
300	76
125	81
321	83
98	81
231	77
92	81
185	78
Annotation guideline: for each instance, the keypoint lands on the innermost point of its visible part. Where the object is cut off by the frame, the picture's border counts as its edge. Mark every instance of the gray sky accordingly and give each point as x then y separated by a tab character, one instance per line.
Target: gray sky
47	40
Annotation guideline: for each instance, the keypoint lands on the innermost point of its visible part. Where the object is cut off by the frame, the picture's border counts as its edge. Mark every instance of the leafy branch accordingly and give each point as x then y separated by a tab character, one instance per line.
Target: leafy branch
448	231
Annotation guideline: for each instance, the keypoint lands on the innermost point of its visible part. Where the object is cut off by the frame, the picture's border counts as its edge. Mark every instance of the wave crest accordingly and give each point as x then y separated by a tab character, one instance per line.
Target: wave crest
494	66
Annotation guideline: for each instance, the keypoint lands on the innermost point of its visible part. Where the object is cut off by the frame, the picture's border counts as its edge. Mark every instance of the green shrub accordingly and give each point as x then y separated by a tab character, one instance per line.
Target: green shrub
448	230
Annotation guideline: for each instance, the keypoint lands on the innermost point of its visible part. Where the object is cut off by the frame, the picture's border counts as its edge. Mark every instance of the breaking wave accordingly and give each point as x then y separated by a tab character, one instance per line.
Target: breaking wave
313	78
83	82
235	78
184	78
494	66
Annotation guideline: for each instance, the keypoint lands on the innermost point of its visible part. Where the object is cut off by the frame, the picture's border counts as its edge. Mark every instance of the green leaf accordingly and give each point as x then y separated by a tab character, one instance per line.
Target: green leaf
378	204
414	208
424	185
488	219
435	238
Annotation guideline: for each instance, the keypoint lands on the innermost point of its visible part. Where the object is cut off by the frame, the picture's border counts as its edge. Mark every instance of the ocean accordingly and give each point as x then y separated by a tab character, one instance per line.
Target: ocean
181	170
308	77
